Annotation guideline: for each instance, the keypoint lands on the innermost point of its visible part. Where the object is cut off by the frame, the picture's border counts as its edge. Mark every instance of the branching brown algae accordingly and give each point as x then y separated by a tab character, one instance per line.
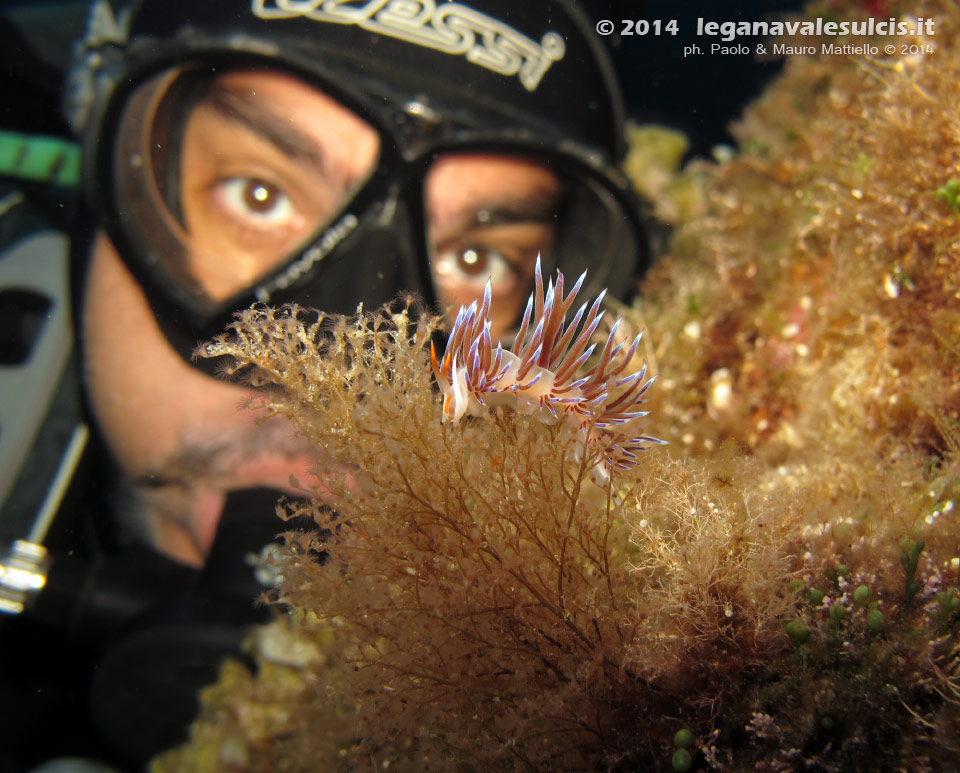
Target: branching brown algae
775	590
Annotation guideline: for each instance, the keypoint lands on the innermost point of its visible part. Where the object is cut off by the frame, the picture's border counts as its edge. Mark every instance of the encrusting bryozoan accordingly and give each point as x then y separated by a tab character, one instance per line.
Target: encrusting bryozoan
536	377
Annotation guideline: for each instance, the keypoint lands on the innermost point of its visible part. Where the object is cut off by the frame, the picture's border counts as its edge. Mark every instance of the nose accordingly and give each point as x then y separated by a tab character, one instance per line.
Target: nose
385	255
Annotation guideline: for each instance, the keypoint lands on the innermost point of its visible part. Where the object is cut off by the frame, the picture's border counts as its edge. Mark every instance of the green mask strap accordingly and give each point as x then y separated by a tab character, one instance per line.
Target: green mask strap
46	159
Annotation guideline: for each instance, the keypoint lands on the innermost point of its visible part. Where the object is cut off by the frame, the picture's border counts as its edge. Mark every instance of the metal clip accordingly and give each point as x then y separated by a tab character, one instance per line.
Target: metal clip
23	573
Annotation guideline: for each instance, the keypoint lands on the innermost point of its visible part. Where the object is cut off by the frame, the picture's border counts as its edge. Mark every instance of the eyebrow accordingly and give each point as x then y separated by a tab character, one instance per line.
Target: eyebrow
249	112
542	206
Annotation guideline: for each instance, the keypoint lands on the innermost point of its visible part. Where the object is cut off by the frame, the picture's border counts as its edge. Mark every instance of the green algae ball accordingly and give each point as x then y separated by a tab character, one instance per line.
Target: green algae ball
798	632
681	761
837	612
875	620
794	585
683	739
949	601
827	722
861	596
816	597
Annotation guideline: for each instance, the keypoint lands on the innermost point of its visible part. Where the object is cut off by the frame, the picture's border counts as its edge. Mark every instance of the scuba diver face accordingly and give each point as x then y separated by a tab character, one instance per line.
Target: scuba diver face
332	153
326	154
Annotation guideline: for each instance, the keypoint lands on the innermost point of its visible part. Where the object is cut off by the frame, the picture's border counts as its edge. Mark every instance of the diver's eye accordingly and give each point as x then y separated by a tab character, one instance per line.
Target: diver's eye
473	265
256	201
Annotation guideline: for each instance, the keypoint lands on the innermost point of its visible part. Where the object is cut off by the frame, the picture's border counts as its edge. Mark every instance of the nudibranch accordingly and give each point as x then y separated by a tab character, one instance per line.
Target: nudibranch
538	375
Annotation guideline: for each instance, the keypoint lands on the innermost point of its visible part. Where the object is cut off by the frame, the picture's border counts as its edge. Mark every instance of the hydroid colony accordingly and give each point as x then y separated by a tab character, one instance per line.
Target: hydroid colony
775	590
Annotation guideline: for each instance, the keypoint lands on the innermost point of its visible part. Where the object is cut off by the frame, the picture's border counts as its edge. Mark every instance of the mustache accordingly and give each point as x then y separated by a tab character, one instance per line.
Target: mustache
217	453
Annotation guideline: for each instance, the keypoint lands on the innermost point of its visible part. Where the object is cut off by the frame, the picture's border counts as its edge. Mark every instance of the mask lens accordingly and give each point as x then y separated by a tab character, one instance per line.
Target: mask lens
222	177
489	216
